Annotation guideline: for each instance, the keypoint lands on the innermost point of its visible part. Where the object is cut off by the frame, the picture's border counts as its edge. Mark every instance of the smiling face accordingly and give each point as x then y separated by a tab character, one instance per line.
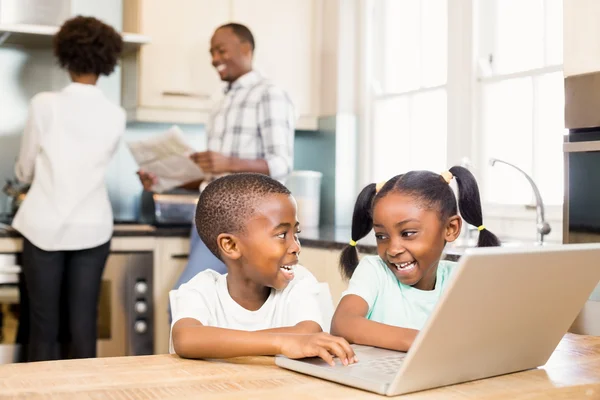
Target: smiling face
231	56
269	247
411	238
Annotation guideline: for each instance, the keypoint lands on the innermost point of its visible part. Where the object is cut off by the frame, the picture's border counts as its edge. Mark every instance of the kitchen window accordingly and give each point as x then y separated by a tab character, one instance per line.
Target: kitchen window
408	86
520	98
498	92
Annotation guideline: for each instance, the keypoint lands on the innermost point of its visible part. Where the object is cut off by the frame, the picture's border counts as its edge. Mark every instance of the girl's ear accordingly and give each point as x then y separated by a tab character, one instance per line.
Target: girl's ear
229	246
453	228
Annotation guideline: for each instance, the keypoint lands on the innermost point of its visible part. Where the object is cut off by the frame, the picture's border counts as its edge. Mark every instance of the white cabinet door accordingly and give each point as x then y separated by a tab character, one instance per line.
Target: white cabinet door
172	79
287	35
581	33
324	266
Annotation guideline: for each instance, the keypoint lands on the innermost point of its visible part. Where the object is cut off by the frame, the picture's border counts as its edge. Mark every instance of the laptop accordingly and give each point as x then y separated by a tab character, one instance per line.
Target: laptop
504	310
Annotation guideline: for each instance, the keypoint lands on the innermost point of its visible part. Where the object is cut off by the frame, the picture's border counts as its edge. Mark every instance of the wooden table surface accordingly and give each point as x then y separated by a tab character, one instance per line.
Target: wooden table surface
573	372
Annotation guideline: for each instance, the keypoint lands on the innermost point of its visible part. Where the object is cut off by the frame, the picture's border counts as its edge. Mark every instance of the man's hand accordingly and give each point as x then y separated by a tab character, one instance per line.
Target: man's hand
148	179
212	162
321	345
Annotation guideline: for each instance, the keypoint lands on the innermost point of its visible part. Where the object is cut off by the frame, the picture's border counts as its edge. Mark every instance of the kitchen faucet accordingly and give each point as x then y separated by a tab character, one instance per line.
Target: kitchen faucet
543	227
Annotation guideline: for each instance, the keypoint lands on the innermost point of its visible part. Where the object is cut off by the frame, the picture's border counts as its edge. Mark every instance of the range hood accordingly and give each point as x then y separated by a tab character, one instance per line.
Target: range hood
36	36
33	23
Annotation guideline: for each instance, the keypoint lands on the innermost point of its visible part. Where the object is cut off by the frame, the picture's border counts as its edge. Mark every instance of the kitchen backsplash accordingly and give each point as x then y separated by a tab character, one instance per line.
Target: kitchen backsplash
313	150
23	73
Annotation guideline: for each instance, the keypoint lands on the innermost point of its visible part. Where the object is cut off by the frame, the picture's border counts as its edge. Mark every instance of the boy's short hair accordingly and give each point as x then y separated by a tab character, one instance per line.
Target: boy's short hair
226	205
86	45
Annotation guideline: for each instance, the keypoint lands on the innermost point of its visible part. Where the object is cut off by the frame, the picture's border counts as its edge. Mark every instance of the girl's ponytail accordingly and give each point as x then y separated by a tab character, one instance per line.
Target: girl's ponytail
469	203
362	223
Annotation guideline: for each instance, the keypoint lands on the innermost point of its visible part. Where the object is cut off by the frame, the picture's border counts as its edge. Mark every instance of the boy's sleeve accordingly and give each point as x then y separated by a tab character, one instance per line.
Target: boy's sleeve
192	300
303	303
364	282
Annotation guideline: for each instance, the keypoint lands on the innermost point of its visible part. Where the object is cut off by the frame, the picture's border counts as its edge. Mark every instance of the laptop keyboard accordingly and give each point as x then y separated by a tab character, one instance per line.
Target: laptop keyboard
387	365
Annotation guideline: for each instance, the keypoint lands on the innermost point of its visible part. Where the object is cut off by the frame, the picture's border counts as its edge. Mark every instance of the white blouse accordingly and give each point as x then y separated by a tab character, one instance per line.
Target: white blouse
69	139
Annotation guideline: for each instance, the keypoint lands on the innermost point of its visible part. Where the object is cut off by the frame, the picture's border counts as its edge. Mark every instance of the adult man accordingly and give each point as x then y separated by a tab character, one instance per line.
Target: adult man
250	130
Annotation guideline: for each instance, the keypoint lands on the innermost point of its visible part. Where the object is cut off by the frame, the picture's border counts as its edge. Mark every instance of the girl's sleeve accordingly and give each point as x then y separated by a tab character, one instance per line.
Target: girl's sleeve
365	282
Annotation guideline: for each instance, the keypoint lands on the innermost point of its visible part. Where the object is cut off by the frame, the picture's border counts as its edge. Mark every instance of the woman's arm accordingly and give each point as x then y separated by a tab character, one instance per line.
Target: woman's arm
30	147
350	323
191	339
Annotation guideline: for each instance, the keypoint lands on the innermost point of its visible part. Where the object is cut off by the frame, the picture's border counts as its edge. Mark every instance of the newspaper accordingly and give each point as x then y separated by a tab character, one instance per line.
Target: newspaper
168	157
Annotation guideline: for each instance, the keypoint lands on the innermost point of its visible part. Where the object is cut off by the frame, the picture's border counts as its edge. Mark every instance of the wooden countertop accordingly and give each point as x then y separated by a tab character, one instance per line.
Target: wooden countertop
573	372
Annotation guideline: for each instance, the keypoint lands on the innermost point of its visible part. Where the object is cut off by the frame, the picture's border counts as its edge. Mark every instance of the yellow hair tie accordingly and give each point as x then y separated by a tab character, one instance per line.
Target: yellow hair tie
480	228
379	186
447	175
352	243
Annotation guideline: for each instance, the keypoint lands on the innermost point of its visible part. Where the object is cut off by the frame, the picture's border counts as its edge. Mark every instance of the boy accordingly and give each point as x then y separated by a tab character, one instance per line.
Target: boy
266	304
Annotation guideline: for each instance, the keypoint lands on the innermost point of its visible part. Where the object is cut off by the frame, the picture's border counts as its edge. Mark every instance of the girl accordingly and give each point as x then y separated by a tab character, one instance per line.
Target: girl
391	295
66	219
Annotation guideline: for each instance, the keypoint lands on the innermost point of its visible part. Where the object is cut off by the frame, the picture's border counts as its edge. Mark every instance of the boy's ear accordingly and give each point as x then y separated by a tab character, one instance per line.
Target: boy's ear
228	246
453	228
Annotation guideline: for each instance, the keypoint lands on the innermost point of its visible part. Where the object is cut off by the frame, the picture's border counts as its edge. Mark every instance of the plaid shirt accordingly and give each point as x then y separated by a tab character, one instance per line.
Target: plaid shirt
255	120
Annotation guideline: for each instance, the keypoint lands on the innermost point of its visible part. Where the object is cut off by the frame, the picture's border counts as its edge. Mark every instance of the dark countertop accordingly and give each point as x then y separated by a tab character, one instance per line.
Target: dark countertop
325	237
122	230
336	238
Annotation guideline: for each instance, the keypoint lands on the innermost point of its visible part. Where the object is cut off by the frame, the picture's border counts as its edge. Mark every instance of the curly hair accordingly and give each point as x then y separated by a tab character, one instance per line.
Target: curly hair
227	203
86	45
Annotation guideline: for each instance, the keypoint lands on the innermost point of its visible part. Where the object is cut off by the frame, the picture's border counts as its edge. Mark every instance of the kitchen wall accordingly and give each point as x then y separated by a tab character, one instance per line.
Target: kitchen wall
314	150
23	73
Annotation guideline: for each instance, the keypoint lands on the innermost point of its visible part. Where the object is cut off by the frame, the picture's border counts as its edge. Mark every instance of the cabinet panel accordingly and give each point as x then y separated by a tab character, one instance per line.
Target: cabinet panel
323	264
287	39
172	79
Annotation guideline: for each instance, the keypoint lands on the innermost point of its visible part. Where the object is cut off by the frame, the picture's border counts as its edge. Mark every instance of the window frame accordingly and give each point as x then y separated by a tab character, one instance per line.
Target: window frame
464	93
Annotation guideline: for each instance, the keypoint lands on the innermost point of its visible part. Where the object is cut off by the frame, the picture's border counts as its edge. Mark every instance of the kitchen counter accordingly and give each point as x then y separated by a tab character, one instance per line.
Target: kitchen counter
336	238
122	230
325	237
573	372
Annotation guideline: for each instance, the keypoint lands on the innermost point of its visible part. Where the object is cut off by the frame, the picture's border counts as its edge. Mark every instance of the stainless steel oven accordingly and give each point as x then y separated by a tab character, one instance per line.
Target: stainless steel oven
581	213
126	307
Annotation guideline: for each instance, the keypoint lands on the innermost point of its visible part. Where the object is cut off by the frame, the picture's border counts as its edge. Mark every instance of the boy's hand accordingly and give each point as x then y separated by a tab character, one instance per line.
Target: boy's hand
321	345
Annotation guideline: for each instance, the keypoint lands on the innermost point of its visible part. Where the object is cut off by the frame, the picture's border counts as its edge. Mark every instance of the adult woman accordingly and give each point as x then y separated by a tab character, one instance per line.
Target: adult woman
66	218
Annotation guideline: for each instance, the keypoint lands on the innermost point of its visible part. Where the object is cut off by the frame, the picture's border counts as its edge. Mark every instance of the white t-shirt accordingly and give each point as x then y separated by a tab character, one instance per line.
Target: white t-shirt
206	299
69	139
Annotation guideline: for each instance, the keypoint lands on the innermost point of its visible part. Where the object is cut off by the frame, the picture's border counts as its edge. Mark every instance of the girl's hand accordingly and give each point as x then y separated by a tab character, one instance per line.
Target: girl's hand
321	345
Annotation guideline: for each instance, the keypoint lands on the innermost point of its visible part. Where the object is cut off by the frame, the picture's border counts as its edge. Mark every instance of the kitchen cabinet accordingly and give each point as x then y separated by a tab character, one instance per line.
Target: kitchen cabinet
172	79
581	33
170	259
323	264
287	35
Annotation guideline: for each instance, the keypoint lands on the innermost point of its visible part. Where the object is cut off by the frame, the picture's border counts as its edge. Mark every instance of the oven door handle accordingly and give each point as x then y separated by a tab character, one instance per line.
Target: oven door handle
581	147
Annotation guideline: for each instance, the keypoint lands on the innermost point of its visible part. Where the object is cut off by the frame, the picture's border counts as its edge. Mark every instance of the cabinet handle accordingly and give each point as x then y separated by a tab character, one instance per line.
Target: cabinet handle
186	94
581	147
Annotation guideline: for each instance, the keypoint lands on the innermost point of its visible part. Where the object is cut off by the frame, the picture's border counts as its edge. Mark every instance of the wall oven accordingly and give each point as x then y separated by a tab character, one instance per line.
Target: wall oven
125	312
126	307
581	213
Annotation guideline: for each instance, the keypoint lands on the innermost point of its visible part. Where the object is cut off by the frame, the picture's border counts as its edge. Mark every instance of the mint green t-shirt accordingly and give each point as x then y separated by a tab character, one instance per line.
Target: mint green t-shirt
392	302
